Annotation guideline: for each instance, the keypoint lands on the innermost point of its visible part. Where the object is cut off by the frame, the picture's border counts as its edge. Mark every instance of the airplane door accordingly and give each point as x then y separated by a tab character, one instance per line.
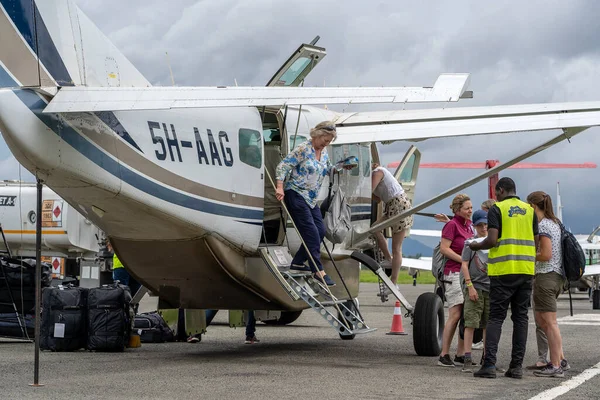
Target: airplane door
406	175
300	63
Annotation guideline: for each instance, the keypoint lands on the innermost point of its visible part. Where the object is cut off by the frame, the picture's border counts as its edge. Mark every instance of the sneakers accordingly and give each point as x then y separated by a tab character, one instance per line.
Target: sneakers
486	372
550	372
445	361
251	339
193	339
326	279
459	360
515	373
564	364
467	365
388	291
477	346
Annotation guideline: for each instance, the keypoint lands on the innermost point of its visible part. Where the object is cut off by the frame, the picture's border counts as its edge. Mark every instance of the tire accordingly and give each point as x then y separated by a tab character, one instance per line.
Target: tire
287	317
428	325
596	299
352	305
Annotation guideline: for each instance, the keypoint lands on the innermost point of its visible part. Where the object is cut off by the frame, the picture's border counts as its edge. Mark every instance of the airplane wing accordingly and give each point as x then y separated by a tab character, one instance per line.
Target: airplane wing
416	125
415	263
591	270
448	87
425	232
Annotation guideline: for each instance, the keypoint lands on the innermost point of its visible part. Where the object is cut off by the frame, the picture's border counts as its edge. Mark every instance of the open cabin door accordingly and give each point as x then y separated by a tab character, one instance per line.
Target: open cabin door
298	66
406	175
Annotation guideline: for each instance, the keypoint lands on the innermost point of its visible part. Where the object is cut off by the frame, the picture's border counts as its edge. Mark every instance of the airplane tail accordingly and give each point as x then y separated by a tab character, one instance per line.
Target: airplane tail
49	43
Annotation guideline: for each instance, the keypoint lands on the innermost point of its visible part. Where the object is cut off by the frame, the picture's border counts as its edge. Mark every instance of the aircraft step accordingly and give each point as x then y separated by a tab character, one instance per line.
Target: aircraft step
340	314
342	318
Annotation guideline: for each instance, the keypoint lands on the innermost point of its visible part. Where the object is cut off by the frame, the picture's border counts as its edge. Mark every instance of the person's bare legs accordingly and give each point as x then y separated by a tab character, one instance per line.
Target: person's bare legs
397	239
449	330
383	245
550	326
468	339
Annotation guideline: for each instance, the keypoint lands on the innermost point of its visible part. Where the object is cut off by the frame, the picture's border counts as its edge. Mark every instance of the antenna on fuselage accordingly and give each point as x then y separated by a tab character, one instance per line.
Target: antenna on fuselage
170	70
315	40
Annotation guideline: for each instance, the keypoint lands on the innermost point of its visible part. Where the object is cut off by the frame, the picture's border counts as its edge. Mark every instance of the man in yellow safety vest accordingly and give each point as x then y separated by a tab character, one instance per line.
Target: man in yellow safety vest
121	274
512	240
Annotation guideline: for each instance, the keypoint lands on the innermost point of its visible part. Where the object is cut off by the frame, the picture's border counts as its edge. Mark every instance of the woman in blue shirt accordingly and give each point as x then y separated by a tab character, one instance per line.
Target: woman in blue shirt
305	168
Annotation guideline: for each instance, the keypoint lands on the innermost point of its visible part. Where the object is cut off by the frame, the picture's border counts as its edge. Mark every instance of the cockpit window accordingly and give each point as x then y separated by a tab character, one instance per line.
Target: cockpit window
293	72
365	160
250	147
407	172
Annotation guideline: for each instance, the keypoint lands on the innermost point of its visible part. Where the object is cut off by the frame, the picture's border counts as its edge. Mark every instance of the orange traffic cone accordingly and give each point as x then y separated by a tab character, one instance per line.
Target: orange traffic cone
397	322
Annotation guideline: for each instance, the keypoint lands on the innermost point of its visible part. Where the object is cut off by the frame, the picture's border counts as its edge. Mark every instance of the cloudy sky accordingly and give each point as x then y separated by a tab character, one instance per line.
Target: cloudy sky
517	52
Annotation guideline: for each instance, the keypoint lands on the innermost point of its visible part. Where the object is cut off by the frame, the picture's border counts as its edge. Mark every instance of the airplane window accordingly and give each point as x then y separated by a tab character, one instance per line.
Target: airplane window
340	152
293	72
299	139
407	172
271	135
365	160
250	147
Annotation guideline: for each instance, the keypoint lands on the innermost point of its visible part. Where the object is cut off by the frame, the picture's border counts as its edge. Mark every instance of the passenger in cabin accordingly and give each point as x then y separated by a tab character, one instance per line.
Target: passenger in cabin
387	189
548	284
299	179
454	235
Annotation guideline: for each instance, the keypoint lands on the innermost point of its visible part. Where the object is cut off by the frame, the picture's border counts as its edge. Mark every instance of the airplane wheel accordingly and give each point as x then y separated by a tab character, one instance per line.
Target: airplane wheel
428	324
287	317
596	299
352	305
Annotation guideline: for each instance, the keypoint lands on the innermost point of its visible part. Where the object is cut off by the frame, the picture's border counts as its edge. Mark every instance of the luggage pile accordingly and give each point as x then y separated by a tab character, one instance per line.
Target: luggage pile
97	319
19	287
152	328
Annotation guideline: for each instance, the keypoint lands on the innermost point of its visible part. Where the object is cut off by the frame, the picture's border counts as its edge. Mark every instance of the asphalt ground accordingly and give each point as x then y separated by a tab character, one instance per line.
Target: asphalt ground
305	360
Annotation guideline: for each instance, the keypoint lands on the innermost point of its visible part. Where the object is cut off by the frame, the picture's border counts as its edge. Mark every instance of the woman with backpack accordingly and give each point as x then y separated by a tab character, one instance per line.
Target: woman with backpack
454	234
387	189
548	284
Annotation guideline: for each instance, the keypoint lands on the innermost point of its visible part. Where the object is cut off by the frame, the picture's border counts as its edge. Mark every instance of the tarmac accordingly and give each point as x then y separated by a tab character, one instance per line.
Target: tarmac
304	360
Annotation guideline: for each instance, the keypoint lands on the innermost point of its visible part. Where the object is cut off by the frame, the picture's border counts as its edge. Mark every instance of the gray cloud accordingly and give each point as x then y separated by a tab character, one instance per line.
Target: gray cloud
517	52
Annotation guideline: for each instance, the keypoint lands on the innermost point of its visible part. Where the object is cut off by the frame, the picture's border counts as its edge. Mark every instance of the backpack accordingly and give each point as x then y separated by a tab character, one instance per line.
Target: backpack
438	263
573	257
337	218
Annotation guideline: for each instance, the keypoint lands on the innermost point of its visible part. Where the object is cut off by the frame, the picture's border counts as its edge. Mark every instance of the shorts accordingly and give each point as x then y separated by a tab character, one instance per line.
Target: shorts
477	313
453	290
397	206
546	289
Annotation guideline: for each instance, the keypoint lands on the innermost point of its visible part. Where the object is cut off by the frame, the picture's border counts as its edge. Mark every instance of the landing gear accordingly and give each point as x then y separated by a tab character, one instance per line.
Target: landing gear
287	317
351	305
428	325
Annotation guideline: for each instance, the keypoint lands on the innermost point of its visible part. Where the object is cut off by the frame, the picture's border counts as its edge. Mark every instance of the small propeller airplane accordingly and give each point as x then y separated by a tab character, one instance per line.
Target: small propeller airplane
179	178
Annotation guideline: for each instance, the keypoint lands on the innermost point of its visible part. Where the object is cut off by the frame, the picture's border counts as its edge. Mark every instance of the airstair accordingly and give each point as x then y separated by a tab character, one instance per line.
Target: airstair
342	314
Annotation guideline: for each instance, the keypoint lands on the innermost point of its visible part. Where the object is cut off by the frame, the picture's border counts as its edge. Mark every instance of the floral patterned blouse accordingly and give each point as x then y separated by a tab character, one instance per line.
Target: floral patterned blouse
305	172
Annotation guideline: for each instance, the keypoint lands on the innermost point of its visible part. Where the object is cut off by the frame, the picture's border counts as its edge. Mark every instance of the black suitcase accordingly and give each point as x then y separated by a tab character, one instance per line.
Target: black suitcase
63	324
152	328
109	318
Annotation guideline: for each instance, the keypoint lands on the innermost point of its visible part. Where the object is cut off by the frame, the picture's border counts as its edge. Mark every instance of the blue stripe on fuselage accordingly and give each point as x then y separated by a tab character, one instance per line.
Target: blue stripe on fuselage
98	157
6	81
22	14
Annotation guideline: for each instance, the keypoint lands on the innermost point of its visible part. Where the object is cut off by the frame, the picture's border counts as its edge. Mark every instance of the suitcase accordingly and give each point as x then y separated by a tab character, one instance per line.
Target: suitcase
152	328
109	318
63	323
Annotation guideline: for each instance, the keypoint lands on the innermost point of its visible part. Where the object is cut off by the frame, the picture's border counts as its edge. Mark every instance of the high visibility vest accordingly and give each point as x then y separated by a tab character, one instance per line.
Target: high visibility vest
116	262
515	251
